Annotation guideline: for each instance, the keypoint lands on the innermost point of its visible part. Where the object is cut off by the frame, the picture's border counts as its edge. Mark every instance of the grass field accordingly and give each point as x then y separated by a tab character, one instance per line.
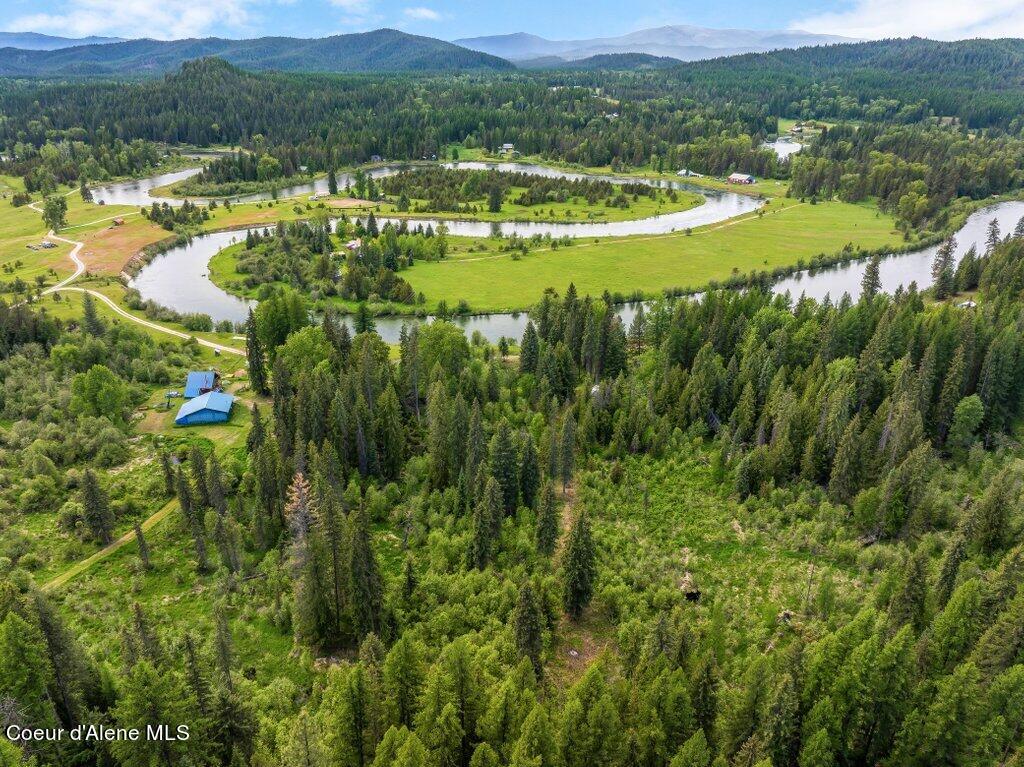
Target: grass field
789	231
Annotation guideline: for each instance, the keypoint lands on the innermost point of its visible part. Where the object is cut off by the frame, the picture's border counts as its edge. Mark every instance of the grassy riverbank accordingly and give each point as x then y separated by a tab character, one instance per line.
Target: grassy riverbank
789	231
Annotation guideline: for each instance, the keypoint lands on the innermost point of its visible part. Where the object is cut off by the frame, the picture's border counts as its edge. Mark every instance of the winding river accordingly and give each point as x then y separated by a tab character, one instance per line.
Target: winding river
179	279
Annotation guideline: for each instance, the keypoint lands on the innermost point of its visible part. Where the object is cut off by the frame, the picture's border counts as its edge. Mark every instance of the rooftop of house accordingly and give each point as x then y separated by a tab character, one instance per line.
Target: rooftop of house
199	380
213	400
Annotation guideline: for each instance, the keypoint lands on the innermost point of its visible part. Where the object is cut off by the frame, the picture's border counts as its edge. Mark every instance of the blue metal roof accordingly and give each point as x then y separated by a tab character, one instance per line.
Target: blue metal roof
215	401
198	380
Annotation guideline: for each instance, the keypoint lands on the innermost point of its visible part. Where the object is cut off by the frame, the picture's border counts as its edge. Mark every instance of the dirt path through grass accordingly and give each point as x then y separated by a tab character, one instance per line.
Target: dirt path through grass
80	567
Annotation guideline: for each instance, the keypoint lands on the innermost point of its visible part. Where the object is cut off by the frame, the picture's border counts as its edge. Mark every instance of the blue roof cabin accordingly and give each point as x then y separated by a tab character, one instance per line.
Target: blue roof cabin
200	382
212	407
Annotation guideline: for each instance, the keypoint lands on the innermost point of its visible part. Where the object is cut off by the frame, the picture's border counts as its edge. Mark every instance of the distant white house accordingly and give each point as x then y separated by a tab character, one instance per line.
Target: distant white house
507	149
376	158
741	178
687	173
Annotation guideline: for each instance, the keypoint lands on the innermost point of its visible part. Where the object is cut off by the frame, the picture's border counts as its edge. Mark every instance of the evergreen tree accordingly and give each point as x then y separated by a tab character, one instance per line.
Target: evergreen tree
487	516
990	520
332	182
910	601
25	672
365	581
348	706
140	541
96	509
529	349
390	434
950	569
403	680
257	432
494	199
152	698
146	637
193	522
168	473
197	461
223	646
818	751
705	695
992	237
363	321
548	520
528	626
536	746
256	357
783	722
694	753
950	393
943	274
529	470
233	727
846	466
579	568
194	674
505	466
871	283
216	492
484	756
91	322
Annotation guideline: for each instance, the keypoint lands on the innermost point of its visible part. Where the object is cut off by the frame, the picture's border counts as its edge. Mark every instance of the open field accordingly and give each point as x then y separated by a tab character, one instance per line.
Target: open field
787	232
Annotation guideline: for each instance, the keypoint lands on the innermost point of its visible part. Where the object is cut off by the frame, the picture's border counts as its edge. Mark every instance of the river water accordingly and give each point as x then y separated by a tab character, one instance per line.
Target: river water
784	147
179	279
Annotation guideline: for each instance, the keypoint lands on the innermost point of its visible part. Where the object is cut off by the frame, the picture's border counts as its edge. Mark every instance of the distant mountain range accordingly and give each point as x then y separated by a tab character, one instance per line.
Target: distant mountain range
607	61
383	50
681	41
33	41
388	50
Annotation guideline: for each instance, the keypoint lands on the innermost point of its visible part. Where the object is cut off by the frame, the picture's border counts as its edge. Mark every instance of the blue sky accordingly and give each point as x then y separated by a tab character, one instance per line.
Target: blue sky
557	19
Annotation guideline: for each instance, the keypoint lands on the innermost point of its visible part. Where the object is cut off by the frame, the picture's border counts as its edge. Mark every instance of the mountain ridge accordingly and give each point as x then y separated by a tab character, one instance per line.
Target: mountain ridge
36	41
679	41
382	50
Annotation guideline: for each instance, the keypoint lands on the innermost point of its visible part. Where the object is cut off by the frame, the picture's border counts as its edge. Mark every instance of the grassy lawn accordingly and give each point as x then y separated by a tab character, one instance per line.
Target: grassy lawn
789	231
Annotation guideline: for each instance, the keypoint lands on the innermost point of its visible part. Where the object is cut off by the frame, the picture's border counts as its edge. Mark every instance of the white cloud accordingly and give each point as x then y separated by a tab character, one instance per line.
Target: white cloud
359	14
938	19
420	13
160	19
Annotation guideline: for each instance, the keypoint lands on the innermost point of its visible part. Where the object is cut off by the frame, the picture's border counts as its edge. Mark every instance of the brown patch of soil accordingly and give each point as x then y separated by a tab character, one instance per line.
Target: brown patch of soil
346	202
108	250
569	504
578	645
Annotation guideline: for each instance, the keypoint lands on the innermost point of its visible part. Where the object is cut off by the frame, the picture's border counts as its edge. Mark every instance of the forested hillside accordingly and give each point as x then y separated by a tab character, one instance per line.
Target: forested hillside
383	50
980	80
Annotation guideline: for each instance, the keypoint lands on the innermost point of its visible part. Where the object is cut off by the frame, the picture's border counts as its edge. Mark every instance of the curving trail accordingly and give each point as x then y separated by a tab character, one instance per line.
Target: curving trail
80	567
64	284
